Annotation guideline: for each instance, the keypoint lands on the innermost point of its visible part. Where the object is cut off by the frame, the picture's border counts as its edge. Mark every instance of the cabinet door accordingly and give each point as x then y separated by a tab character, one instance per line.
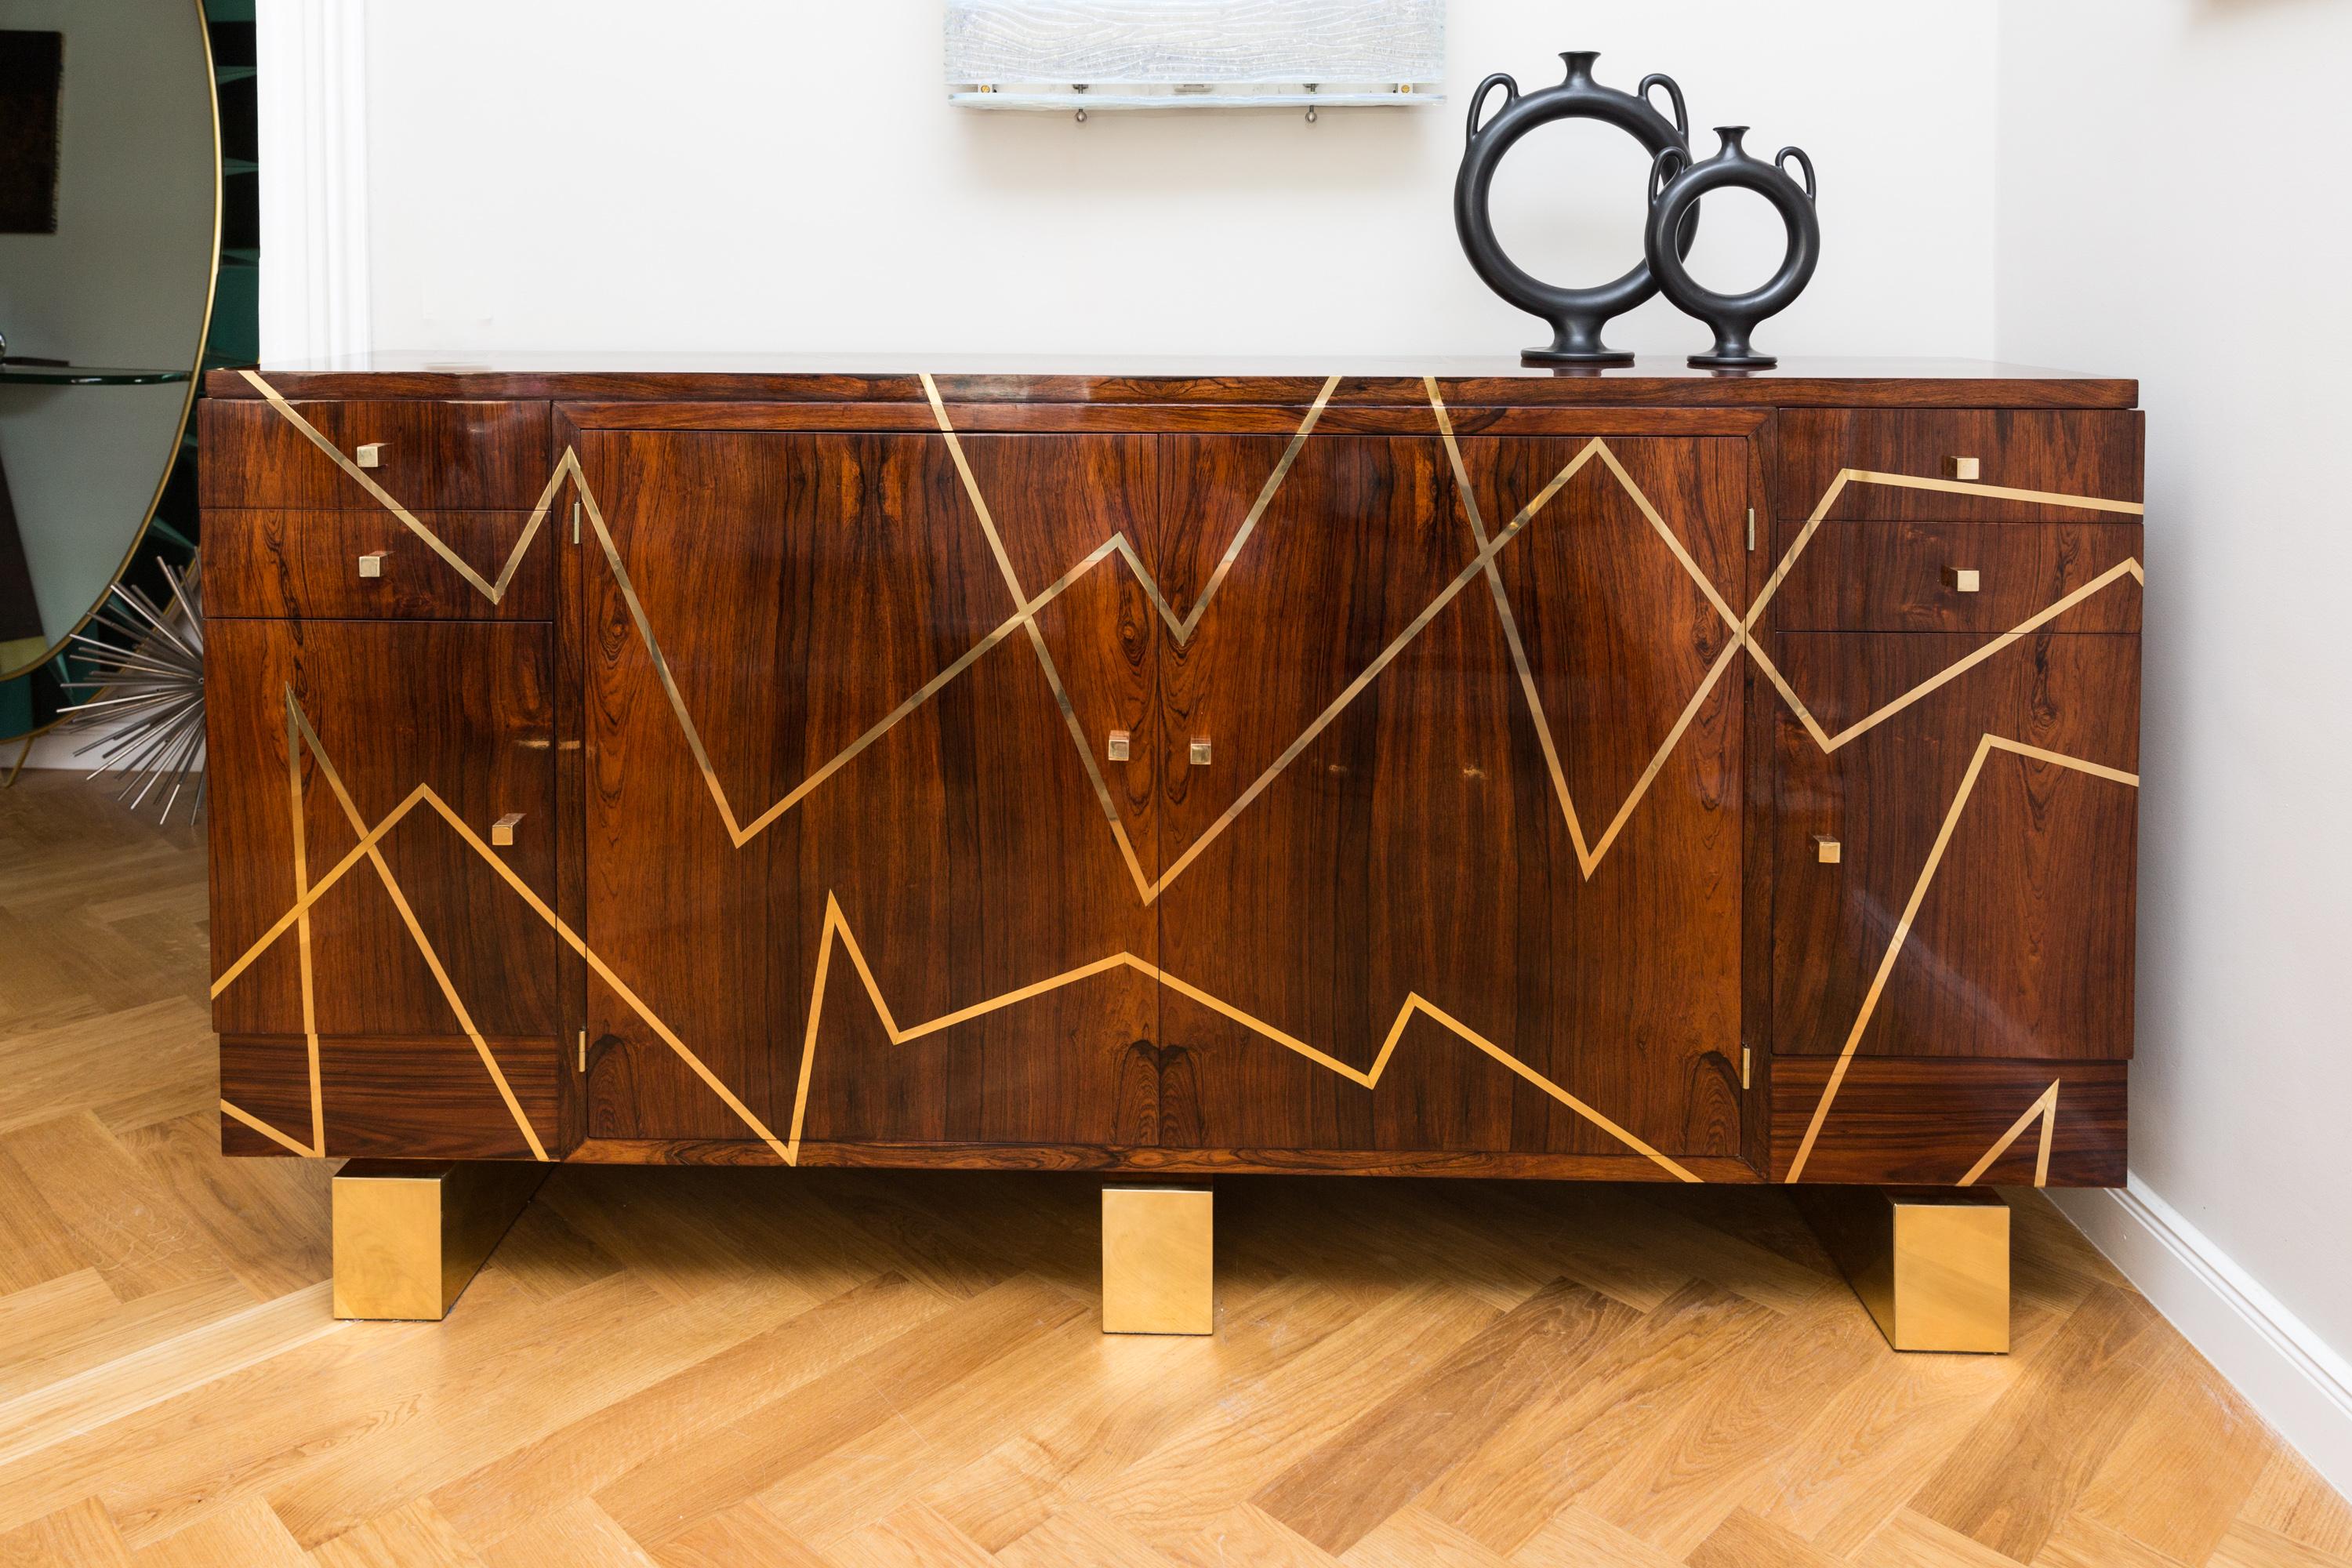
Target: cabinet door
409	1007
859	869
1980	901
1459	870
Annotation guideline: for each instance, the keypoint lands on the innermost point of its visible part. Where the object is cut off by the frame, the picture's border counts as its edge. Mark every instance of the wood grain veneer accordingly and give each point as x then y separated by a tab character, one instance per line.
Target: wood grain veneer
1459	824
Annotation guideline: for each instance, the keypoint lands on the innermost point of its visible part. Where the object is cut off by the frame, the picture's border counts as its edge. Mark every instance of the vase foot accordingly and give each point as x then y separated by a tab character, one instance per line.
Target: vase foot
1574	357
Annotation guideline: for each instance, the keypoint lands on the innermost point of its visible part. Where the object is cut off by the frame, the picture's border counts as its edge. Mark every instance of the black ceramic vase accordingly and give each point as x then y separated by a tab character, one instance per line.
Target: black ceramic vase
1676	187
1576	315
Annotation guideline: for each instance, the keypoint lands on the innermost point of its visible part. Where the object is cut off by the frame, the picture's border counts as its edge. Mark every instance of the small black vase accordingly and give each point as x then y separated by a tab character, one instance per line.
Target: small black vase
1676	187
1576	315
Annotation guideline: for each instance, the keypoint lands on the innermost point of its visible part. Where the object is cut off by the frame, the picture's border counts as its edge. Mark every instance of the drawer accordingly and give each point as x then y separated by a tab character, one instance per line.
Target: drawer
425	1098
1958	577
274	564
1904	1123
2091	454
473	457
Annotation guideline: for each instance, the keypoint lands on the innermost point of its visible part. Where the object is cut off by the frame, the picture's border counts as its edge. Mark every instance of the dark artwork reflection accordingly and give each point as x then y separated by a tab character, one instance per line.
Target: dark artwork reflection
32	65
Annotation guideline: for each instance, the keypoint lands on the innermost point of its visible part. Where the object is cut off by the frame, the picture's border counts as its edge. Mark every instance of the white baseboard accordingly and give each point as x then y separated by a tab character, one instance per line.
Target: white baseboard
2300	1383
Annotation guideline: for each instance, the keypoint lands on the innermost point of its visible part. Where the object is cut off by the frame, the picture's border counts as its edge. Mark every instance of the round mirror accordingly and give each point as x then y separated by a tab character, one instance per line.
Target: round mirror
109	243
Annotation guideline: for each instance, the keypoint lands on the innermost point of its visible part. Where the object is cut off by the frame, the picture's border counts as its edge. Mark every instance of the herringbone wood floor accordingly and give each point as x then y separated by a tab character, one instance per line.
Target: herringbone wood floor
704	1368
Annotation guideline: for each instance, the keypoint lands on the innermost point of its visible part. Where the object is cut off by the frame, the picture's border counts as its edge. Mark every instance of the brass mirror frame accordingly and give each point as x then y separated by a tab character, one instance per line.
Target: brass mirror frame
187	404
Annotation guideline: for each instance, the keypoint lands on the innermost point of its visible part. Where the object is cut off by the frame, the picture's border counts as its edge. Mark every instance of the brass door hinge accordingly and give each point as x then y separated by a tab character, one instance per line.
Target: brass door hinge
1747	1068
583	1050
576	522
1751	528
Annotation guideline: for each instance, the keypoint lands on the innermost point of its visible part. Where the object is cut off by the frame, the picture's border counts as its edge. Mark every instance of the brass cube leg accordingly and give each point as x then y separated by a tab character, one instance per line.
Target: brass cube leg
410	1234
1157	1246
1930	1263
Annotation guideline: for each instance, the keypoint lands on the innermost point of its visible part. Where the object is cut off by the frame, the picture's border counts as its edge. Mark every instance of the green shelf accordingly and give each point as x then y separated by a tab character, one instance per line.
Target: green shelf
84	375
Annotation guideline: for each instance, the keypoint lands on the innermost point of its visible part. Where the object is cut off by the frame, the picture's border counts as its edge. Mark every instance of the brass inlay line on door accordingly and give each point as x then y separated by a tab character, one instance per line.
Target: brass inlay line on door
1587	855
837	927
2045	1107
1985	748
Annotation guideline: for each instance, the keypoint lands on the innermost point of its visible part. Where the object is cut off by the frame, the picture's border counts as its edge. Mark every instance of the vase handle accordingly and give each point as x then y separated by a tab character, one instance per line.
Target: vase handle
1478	100
1781	161
1659	176
1660	79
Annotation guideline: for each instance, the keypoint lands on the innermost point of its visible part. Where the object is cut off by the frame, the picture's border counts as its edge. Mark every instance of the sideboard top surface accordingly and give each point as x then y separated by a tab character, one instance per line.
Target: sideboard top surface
1496	380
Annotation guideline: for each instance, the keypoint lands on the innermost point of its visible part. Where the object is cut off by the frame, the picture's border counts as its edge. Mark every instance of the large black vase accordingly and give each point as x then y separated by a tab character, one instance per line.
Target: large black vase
1676	187
1576	315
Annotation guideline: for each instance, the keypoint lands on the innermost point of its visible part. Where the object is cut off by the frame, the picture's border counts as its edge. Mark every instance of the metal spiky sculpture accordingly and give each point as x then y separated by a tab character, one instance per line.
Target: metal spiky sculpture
150	687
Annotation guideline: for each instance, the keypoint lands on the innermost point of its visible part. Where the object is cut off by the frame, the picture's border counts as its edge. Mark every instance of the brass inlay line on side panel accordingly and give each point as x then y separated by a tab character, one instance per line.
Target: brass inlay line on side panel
2045	1108
1985	748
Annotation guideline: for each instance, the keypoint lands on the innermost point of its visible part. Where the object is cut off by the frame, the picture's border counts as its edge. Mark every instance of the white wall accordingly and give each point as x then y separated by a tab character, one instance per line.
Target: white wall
724	174
2169	208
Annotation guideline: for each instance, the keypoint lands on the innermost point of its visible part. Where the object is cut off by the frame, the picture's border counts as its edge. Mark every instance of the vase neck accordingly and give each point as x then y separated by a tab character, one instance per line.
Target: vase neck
1580	65
1734	140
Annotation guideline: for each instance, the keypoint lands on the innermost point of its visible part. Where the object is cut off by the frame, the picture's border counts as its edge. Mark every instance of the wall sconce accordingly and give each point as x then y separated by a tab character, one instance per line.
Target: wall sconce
1084	55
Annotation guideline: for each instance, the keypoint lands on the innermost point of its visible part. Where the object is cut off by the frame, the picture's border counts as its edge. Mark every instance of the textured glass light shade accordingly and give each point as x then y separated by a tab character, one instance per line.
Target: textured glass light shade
1175	54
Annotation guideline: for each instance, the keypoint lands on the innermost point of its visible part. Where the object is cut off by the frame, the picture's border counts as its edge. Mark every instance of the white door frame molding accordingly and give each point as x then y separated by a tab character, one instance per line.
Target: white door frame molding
311	57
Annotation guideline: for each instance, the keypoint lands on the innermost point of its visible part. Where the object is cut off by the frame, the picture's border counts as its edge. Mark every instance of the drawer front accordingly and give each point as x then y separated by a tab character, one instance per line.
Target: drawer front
427	1097
1958	577
471	457
2094	454
1938	1123
370	567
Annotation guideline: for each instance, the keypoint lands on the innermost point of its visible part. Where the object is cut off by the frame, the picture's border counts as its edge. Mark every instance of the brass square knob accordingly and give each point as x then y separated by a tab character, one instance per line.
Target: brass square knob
1962	579
1961	467
503	830
372	564
1120	743
1200	753
371	455
1827	850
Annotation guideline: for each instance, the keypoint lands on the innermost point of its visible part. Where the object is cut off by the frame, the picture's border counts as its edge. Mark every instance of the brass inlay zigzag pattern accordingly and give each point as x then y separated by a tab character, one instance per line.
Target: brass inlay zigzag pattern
2045	1107
836	928
1588	853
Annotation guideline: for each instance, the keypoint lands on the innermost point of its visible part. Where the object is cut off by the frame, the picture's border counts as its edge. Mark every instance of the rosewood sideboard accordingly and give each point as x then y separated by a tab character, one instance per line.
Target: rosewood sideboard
1448	769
